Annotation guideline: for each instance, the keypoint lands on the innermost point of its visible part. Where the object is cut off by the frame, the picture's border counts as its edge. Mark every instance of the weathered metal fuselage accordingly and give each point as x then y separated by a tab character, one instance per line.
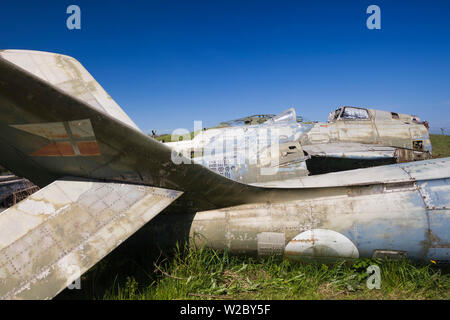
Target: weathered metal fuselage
379	127
401	210
284	148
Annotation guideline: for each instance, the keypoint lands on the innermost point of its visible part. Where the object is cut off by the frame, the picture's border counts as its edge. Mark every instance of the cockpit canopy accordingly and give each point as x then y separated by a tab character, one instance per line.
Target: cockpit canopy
288	115
349	113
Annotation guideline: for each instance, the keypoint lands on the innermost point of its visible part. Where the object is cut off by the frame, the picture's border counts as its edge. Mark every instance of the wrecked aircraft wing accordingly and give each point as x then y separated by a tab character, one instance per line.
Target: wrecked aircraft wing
50	239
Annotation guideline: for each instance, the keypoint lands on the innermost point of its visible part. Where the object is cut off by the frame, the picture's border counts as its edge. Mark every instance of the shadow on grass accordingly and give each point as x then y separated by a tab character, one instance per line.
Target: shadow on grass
138	271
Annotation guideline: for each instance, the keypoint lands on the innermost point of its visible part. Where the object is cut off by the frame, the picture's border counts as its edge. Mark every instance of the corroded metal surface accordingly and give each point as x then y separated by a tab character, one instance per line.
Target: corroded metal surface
254	153
321	245
50	239
402	172
370	126
240	152
401	209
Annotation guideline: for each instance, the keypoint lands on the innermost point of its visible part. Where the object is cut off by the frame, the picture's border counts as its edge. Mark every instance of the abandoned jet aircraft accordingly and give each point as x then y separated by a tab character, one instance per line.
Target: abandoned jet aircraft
103	179
352	138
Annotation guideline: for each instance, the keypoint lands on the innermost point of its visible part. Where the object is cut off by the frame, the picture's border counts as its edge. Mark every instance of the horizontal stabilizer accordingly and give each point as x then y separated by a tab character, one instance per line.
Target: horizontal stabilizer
50	239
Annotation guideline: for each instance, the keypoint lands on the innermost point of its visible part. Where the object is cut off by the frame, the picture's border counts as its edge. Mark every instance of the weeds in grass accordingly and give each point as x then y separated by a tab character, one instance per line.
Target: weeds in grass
207	274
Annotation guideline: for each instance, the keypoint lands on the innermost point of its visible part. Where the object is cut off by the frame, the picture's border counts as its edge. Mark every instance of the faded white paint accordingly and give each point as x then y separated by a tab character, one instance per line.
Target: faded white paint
68	75
42	242
33	207
321	244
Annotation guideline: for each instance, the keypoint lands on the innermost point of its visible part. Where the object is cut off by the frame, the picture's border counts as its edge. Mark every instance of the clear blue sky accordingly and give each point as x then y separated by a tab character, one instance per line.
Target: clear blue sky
168	63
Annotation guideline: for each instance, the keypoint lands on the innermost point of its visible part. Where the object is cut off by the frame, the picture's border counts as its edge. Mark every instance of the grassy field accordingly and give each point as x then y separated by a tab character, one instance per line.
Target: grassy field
207	274
137	272
441	145
168	137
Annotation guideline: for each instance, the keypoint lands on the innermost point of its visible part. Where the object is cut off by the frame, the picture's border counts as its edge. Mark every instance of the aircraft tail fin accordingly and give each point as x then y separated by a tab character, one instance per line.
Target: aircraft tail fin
68	75
47	133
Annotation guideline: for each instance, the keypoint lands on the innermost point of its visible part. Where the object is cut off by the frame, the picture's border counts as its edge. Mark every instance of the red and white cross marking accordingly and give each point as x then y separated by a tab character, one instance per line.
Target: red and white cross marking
67	138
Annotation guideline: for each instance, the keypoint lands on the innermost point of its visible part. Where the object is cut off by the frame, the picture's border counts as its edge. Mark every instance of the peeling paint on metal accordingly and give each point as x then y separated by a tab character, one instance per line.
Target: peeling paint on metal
321	245
44	239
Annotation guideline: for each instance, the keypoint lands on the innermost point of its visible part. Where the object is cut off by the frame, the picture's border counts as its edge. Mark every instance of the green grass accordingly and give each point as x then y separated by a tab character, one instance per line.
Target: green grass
168	137
441	145
208	274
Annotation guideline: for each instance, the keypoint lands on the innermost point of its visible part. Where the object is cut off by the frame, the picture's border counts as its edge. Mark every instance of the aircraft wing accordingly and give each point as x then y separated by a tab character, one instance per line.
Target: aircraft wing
50	239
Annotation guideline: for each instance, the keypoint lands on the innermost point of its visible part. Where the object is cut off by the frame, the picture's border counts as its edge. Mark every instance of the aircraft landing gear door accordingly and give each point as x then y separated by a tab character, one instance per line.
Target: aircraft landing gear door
355	125
435	194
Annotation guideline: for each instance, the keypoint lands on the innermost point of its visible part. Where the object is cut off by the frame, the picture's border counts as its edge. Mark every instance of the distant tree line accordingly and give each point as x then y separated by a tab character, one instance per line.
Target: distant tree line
440	130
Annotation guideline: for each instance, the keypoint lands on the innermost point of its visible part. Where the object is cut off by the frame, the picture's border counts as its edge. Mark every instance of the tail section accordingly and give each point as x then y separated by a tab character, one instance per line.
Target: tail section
53	124
68	75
